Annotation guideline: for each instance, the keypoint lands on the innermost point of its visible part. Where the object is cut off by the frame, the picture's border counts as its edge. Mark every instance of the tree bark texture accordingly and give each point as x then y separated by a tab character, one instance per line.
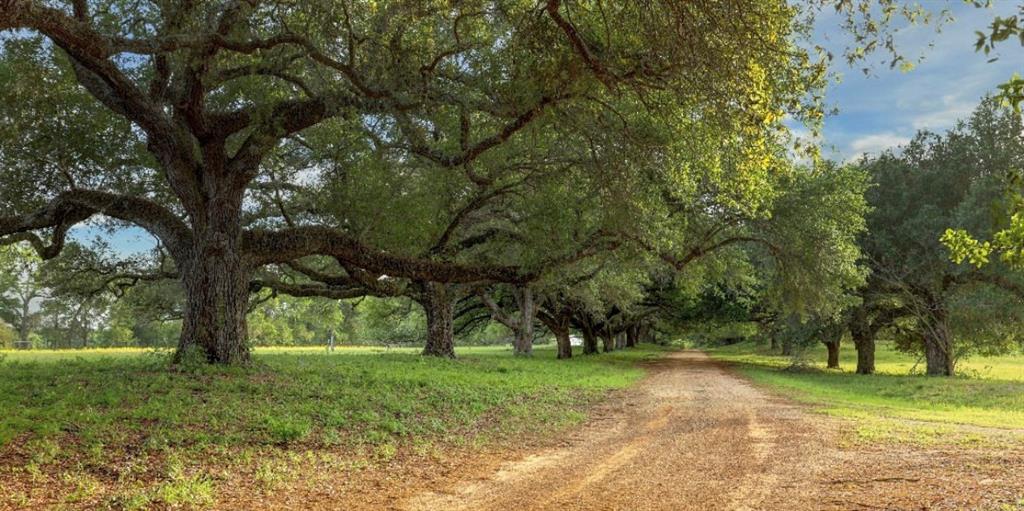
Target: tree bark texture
216	278
439	306
524	327
938	346
559	321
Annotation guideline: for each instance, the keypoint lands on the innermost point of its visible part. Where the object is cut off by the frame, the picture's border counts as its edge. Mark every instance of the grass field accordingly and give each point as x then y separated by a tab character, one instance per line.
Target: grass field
988	394
68	416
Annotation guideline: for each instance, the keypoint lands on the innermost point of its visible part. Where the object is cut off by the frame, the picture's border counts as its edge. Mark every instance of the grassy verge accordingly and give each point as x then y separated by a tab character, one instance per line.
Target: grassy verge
894	403
118	424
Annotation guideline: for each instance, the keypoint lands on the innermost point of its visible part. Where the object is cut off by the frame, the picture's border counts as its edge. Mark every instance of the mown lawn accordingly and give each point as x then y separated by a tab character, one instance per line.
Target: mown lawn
989	393
81	412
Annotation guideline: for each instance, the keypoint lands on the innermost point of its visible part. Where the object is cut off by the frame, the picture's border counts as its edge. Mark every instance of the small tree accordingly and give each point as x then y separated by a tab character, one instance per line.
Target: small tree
21	291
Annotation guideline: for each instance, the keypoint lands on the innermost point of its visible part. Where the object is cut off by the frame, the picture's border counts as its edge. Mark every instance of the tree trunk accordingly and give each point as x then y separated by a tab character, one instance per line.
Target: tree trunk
589	341
775	342
937	355
865	354
23	341
563	341
215	276
632	333
23	326
609	341
938	341
439	306
864	340
559	321
833	354
216	303
524	330
348	322
523	343
938	352
787	347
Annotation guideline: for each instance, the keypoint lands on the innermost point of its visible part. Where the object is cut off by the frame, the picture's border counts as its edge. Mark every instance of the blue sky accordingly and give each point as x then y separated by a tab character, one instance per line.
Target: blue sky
886	108
124	241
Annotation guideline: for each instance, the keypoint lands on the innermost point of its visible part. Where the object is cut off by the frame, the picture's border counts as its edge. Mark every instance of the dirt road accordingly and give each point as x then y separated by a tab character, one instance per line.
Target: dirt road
694	435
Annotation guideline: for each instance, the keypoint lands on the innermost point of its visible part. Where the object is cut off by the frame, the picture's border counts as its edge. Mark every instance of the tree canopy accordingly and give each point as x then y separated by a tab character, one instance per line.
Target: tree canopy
359	148
936	181
579	164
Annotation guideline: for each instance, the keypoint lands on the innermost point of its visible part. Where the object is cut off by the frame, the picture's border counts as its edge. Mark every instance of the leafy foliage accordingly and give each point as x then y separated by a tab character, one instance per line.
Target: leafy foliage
937	181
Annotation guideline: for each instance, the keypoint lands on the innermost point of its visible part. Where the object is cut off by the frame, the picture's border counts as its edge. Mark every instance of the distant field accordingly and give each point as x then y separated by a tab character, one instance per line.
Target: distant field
68	416
990	393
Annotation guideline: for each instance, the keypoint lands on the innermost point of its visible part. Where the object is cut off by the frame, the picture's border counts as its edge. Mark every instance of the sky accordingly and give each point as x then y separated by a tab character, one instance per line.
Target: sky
126	242
885	109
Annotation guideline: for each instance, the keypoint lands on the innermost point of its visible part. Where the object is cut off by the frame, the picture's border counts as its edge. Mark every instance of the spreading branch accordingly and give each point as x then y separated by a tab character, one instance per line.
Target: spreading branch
76	206
270	247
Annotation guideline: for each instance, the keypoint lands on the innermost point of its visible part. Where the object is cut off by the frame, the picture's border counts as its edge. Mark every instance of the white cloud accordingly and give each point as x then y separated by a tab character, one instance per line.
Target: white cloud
875	143
878	142
944	117
943	112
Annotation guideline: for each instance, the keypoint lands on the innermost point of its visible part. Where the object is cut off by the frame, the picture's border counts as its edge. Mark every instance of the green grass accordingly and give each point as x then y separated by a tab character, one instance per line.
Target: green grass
356	395
89	409
990	394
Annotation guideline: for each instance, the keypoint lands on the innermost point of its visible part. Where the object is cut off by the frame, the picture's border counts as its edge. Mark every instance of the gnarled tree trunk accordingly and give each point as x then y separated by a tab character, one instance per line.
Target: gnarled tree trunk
832	337
559	322
439	306
865	354
216	278
216	301
520	325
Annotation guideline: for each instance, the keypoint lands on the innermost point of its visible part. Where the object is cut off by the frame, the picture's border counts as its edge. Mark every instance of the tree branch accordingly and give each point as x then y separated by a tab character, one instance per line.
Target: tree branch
76	206
268	247
307	289
497	313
